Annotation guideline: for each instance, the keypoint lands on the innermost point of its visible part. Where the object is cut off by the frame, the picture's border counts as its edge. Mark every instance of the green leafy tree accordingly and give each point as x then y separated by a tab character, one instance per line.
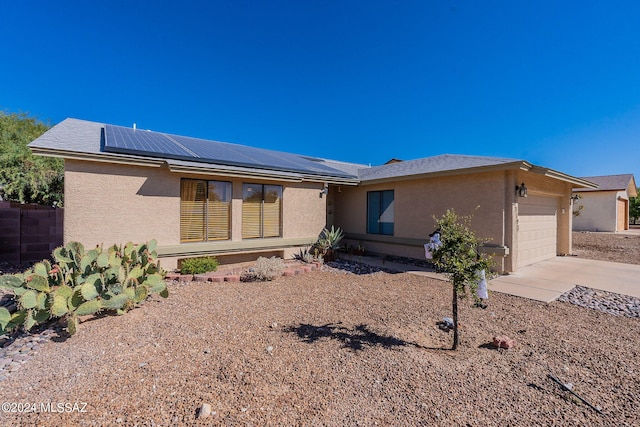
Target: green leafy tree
459	259
26	178
634	208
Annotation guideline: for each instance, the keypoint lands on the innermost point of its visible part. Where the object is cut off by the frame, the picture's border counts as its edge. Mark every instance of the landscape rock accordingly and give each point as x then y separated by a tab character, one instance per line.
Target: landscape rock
503	341
204	411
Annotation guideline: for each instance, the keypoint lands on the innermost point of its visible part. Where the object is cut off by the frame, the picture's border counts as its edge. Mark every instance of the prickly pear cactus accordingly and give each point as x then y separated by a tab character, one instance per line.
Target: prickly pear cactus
83	283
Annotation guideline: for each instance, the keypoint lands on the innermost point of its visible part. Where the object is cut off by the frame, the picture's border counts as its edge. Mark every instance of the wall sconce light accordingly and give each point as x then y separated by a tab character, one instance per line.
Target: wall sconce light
574	198
521	190
325	190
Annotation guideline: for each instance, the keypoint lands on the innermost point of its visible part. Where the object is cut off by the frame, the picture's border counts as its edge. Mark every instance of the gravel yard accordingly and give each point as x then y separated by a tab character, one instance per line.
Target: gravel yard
607	246
334	348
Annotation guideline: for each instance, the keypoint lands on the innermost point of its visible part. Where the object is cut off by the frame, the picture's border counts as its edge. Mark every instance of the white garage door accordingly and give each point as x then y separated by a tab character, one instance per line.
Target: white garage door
537	229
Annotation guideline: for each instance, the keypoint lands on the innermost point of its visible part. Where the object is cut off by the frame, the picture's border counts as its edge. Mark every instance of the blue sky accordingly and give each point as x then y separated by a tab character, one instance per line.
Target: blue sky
556	83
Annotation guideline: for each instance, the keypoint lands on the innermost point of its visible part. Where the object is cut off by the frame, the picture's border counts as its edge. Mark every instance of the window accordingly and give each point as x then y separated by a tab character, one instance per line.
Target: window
380	217
205	210
261	211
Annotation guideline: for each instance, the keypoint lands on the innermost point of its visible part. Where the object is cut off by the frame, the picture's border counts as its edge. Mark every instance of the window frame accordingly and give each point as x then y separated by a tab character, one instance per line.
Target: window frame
381	228
205	234
260	229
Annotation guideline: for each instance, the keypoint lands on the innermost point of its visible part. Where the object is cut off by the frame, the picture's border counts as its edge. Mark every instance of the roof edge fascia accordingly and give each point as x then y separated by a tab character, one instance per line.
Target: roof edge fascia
261	174
102	157
563	177
231	173
152	162
520	164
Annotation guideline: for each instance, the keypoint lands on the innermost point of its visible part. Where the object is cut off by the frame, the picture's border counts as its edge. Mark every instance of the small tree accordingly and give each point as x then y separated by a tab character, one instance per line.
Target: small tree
459	258
24	177
577	209
634	208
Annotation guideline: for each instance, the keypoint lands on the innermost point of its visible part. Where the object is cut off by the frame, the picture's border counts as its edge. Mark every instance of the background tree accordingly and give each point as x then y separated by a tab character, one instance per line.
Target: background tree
26	178
634	208
459	259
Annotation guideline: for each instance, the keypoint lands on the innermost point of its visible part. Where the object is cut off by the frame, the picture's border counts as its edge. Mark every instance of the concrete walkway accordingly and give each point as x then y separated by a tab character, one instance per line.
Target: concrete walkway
547	280
544	281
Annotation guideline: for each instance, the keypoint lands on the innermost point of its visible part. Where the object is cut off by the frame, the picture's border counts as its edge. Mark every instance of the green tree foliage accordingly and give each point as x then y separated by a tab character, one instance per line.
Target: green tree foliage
634	208
459	259
26	178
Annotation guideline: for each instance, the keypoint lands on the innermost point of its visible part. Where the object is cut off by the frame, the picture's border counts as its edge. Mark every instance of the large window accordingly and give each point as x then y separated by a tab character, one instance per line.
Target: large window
205	210
380	217
261	211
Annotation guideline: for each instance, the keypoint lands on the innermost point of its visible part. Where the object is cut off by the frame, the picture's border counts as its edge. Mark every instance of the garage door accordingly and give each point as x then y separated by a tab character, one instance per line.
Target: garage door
622	215
537	229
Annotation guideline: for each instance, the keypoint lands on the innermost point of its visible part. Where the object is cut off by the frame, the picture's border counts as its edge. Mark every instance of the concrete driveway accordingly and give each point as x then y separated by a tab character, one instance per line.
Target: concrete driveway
547	280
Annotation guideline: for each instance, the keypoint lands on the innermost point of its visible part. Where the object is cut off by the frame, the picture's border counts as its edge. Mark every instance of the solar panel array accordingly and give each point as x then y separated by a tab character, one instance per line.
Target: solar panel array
124	140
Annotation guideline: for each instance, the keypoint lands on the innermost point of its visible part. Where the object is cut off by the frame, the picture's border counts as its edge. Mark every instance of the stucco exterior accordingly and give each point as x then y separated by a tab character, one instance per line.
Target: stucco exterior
605	208
123	184
489	197
110	203
599	211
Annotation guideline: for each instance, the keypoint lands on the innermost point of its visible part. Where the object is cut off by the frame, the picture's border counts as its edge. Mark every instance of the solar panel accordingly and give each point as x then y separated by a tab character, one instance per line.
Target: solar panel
129	141
155	144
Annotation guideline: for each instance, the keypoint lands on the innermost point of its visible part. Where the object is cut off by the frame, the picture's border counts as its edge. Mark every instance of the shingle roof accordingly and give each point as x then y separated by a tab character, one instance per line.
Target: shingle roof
621	182
73	137
427	165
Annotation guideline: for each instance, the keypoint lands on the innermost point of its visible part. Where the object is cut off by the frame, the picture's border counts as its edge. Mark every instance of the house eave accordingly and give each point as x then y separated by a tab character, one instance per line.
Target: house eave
451	172
210	169
97	157
576	182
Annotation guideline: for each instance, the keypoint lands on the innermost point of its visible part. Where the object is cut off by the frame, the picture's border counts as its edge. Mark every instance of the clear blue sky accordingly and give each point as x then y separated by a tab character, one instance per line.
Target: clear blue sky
556	83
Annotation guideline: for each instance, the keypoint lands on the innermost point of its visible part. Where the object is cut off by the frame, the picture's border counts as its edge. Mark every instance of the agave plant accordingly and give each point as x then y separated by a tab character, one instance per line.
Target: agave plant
329	242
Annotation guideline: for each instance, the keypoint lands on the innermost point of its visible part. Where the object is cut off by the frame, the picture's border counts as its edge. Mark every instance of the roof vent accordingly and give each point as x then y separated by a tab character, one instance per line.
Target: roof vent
134	126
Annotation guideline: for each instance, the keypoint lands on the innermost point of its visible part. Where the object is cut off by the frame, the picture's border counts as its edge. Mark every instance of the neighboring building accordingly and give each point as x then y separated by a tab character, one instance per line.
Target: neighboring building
198	197
605	208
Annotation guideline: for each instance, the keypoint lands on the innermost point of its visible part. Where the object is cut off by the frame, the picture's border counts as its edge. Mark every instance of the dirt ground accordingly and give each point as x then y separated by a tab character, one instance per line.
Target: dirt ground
608	246
331	348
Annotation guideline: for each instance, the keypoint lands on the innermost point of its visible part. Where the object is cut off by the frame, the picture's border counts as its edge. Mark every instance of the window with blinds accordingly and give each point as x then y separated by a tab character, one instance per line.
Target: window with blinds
261	211
205	210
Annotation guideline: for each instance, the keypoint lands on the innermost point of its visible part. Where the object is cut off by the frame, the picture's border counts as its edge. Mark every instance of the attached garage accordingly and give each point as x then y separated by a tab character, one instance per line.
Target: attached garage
537	229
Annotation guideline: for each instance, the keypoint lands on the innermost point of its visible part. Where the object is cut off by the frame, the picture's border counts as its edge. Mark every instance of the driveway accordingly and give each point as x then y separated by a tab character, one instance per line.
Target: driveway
547	280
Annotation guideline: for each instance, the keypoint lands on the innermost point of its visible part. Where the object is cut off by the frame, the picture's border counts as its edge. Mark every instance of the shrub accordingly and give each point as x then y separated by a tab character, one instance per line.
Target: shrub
198	265
305	255
268	268
82	283
329	242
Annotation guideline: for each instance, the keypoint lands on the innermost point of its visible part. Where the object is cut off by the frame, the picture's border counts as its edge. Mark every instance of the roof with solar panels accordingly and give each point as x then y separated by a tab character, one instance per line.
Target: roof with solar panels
85	140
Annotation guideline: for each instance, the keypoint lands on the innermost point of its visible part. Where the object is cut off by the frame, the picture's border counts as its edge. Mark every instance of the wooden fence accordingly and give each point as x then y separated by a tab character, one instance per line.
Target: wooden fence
29	233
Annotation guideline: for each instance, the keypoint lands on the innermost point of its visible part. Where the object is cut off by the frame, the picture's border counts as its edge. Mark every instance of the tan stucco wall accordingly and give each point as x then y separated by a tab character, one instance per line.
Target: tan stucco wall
416	202
488	196
304	211
599	212
110	203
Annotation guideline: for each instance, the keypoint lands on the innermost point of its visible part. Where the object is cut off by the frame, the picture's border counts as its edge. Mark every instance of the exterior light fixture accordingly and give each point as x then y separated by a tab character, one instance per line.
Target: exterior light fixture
325	190
574	198
521	190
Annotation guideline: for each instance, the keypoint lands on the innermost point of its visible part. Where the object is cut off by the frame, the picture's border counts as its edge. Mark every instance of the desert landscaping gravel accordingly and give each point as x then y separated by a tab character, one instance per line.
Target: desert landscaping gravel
331	348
